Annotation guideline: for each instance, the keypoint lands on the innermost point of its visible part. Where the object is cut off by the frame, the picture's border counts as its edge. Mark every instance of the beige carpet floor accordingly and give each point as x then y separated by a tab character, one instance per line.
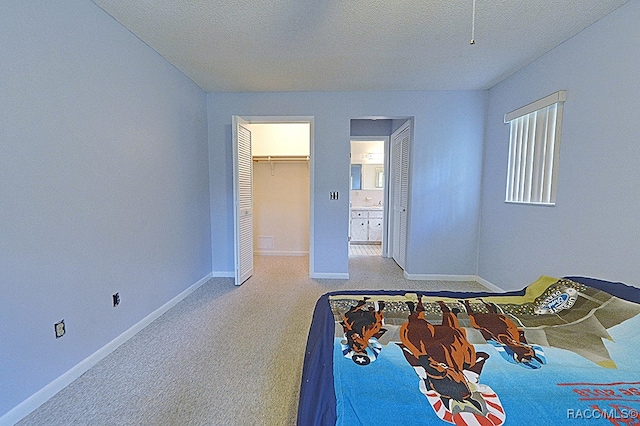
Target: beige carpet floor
225	355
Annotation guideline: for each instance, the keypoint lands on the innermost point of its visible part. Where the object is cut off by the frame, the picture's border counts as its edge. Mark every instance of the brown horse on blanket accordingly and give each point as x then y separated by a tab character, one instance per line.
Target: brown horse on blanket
501	329
360	324
442	356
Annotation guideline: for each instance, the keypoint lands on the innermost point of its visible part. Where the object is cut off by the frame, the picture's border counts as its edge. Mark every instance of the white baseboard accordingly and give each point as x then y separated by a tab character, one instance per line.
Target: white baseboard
23	409
223	274
330	275
491	287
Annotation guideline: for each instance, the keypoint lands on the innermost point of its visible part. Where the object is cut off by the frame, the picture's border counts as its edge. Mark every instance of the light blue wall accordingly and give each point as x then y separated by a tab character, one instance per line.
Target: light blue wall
103	186
360	127
445	170
593	230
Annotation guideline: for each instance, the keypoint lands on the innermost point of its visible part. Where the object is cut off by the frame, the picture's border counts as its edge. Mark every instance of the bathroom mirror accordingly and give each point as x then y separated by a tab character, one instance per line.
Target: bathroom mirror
367	176
367	168
356	176
379	177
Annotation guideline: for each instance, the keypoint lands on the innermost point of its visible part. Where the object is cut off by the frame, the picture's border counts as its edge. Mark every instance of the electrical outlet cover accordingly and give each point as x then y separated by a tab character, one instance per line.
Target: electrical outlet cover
59	328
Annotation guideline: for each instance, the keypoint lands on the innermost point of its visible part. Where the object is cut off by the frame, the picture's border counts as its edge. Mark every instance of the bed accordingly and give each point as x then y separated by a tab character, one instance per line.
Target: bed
561	349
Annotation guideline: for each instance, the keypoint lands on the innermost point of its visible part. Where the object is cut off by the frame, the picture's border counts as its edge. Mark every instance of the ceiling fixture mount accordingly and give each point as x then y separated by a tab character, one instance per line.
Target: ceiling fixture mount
473	23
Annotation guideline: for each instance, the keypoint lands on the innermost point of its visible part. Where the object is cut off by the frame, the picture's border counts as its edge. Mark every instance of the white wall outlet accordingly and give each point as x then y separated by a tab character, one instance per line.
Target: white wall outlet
59	329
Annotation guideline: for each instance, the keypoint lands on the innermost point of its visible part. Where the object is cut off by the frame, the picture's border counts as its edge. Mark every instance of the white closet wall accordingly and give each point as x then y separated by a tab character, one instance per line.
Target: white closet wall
281	189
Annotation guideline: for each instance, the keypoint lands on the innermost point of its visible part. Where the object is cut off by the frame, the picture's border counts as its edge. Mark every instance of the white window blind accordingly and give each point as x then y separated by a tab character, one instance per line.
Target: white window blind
534	145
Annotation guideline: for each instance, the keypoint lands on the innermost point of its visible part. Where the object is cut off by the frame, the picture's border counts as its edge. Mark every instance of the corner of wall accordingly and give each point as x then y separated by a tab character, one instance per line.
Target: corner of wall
492	287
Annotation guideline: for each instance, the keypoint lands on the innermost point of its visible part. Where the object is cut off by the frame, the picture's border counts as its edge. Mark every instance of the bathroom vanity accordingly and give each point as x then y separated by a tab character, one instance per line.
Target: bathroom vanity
366	225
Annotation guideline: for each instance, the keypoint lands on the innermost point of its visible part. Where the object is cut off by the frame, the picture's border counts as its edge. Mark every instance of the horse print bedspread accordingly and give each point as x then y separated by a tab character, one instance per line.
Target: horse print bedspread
560	352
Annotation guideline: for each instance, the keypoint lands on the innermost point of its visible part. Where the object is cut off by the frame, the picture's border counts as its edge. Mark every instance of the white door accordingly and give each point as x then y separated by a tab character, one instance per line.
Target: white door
400	163
243	199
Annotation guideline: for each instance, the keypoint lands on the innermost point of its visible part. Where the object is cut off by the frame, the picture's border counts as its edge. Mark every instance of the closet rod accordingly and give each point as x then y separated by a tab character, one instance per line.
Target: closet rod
275	158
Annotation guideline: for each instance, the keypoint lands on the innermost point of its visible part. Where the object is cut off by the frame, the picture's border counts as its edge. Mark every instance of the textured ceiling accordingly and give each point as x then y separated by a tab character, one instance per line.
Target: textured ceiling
352	45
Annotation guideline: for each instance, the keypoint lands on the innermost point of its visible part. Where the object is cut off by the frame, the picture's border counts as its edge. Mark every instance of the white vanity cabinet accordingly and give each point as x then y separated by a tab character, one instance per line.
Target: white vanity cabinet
375	225
366	226
359	229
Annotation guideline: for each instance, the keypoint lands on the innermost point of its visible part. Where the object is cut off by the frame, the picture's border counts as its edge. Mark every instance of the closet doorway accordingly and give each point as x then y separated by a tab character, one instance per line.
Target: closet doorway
277	188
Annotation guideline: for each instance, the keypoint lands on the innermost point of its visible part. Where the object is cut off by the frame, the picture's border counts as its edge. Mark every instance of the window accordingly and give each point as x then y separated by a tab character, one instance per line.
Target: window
534	145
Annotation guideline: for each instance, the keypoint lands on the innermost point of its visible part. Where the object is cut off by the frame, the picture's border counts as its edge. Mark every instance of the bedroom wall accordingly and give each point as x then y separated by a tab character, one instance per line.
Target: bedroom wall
103	187
593	228
445	170
365	127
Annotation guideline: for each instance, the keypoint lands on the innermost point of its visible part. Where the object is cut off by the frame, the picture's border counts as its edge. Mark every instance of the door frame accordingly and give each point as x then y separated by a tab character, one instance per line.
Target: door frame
280	119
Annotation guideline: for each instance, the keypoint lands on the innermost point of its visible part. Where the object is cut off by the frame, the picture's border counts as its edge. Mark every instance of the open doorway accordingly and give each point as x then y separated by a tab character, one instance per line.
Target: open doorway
367	196
280	188
272	186
396	134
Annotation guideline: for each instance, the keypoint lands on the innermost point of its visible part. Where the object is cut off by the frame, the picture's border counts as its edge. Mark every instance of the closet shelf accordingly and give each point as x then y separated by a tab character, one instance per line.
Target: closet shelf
280	158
